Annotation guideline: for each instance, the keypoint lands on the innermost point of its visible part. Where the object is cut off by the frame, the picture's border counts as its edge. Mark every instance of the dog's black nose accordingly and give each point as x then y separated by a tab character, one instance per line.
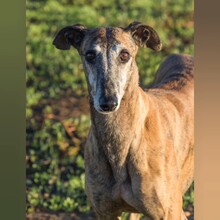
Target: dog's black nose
108	104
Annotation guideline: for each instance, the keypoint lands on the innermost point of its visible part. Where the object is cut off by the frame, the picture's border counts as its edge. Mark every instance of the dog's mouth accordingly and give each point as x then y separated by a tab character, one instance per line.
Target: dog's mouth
105	112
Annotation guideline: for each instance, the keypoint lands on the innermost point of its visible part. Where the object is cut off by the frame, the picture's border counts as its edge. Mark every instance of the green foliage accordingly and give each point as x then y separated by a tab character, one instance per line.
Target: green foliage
189	197
55	170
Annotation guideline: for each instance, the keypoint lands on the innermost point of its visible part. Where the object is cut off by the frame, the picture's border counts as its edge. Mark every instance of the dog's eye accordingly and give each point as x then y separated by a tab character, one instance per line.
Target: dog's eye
90	56
124	56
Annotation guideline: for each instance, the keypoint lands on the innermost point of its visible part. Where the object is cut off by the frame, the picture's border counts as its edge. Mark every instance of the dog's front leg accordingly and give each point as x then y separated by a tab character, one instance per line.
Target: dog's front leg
134	216
183	216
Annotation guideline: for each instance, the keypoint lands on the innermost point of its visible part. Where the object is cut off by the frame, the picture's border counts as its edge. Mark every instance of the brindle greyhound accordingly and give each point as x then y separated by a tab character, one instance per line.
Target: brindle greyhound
139	153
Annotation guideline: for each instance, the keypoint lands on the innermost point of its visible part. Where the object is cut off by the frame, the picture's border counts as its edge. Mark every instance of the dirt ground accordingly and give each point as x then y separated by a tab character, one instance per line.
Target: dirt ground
58	216
62	216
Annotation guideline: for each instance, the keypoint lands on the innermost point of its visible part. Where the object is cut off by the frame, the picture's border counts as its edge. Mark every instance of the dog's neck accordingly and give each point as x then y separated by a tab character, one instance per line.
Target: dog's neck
116	131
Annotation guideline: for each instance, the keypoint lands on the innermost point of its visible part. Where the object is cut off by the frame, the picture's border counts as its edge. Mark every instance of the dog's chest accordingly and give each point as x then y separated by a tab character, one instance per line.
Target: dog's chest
107	186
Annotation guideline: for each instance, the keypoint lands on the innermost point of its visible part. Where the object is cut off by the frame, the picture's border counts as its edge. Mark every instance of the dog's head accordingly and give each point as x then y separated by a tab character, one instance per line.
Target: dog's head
108	56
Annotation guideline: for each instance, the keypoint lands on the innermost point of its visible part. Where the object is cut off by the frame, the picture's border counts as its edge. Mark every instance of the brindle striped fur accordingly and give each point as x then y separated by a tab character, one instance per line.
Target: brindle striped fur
138	158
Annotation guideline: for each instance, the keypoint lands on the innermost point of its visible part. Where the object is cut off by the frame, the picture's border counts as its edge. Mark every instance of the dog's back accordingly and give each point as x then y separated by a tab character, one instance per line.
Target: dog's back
175	73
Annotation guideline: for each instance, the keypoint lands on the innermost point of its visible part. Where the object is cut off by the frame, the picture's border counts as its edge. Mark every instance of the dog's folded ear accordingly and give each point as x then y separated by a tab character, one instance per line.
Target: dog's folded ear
70	36
144	36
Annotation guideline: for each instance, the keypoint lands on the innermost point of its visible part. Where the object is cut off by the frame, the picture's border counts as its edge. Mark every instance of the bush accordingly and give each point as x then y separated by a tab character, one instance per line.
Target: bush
55	136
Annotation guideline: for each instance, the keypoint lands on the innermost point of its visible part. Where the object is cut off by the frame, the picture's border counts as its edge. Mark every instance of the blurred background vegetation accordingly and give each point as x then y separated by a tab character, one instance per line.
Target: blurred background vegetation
57	110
